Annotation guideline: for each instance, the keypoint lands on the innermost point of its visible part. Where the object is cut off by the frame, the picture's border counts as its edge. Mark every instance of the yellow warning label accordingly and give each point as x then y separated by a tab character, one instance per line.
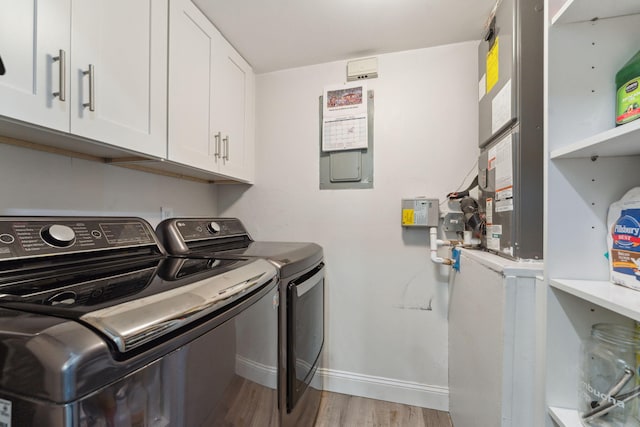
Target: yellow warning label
407	217
493	65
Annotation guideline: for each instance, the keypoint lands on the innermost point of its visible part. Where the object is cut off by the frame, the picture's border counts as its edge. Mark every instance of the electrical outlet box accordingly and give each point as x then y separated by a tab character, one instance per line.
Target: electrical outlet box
453	222
420	212
166	212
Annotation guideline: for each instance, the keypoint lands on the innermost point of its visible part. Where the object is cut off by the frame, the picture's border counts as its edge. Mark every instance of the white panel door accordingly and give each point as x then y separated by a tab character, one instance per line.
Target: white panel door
125	42
492	342
191	140
476	343
231	74
32	33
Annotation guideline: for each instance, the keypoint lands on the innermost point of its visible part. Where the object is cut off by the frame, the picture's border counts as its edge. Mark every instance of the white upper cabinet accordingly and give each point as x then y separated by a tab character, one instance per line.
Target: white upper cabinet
232	107
122	101
210	97
32	35
190	87
119	73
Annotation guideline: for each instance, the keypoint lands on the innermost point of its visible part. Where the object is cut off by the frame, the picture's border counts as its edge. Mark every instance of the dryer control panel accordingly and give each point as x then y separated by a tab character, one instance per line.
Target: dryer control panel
180	236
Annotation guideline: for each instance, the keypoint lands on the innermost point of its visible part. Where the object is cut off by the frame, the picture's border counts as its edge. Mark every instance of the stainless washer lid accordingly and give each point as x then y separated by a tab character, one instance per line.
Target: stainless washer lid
134	323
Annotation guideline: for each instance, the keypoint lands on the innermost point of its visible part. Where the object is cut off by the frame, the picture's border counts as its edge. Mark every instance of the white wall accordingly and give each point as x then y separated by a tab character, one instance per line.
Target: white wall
38	183
381	340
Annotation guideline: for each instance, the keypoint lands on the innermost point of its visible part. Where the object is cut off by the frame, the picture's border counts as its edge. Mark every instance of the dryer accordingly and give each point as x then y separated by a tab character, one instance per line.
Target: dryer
301	270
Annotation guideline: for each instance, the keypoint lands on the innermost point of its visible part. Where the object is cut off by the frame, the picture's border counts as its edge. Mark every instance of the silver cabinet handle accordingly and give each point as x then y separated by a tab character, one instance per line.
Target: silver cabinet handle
226	147
217	148
92	98
62	75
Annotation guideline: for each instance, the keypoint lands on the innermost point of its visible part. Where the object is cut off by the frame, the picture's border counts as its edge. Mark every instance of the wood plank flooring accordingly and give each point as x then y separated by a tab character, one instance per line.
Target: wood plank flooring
248	404
337	410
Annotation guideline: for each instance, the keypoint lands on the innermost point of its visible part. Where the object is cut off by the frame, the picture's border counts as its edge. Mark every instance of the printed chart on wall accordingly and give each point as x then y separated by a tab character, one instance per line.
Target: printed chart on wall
500	157
344	117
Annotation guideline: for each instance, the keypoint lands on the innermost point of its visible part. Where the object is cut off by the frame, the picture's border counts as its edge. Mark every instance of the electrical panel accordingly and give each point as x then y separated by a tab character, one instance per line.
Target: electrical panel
349	169
420	212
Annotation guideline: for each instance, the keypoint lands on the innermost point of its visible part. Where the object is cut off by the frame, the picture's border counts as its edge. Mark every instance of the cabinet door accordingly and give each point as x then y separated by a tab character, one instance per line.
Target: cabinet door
123	100
191	36
231	98
32	33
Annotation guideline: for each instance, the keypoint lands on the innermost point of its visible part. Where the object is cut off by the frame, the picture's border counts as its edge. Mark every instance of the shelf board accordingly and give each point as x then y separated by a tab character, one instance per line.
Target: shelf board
620	141
565	417
587	10
619	299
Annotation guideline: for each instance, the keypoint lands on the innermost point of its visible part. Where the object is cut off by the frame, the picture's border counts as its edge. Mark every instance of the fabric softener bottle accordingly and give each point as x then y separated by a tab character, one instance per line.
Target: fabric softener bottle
628	91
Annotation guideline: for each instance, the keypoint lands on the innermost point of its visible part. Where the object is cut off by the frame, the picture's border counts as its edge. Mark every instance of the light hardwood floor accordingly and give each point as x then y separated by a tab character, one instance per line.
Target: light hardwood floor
248	404
337	410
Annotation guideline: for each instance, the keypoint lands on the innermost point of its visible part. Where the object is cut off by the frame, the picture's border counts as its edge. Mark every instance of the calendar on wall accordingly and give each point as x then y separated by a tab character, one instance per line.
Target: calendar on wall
346	137
345	118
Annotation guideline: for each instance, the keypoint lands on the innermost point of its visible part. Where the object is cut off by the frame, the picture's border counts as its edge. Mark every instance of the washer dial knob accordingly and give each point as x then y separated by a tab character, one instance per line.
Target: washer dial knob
213	227
58	235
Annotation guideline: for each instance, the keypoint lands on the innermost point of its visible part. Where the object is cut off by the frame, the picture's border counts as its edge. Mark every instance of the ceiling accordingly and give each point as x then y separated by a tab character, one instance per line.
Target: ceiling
279	34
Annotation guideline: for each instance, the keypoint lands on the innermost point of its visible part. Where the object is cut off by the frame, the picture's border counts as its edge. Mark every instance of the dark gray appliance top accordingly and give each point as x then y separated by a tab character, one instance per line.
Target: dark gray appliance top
227	237
99	295
60	360
290	257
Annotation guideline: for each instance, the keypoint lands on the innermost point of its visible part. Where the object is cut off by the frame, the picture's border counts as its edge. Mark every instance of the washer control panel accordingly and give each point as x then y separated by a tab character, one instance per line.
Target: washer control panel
32	237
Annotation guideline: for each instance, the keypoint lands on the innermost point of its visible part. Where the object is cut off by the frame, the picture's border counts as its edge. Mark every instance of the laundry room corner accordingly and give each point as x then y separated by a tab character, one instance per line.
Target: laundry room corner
386	302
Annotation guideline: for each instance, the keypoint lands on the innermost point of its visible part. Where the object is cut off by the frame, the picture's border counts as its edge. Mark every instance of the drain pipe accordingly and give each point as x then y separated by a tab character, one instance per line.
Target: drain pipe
435	242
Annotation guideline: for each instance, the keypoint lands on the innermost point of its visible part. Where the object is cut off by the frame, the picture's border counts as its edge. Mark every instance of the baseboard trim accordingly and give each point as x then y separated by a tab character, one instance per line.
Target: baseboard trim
391	390
257	372
369	386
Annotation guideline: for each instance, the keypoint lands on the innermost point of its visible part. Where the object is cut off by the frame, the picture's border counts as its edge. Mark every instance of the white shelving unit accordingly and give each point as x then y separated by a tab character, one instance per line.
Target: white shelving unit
620	141
605	294
586	10
590	164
